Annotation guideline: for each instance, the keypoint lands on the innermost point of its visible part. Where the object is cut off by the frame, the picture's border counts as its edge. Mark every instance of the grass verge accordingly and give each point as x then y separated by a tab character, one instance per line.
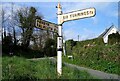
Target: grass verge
18	69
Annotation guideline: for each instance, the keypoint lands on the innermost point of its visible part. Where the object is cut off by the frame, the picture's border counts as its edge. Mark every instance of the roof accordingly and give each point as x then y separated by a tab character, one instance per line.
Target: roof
107	30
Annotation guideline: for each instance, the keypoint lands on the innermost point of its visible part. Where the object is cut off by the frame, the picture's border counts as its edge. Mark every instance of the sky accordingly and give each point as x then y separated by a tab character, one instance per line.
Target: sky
87	28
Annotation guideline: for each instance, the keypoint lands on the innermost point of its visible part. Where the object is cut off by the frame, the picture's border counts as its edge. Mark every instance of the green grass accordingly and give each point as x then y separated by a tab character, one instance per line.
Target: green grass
0	68
16	68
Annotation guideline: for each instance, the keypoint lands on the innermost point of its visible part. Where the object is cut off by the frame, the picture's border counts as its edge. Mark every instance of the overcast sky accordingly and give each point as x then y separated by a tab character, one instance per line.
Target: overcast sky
106	15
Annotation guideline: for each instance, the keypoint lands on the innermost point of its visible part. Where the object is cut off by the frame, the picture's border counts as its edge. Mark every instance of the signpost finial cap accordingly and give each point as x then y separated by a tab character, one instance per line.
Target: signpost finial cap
59	6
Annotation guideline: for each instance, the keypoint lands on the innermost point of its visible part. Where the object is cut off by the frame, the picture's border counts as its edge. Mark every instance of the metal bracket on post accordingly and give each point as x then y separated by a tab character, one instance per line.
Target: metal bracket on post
59	24
59	48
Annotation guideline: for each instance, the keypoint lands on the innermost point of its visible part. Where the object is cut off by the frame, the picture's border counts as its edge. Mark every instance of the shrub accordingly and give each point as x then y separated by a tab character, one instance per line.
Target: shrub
50	47
114	38
94	54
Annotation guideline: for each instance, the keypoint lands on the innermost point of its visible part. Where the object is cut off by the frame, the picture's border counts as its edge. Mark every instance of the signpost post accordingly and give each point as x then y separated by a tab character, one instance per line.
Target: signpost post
85	13
59	41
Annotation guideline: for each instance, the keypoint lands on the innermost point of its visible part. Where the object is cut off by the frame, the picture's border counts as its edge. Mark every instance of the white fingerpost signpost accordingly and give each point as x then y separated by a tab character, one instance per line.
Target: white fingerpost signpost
79	14
59	41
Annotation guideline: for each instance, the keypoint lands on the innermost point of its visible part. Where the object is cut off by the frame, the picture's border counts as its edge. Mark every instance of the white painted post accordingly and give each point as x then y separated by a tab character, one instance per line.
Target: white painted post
59	42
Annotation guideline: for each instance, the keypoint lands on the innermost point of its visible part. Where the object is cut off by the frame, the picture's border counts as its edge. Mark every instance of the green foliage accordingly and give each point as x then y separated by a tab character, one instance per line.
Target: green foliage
7	44
7	40
19	69
114	38
50	47
28	53
96	55
69	46
96	41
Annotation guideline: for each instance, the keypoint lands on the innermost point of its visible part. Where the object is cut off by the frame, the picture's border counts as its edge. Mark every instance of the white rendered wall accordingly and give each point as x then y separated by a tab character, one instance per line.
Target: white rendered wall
105	38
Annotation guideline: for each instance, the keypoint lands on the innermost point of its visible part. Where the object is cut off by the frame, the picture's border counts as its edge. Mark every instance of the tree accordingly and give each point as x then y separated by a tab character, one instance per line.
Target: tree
9	23
7	44
39	39
69	46
12	23
50	47
4	19
27	18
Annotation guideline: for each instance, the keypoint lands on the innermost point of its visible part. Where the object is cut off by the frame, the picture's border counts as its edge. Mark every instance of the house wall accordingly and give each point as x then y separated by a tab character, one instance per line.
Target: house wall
105	38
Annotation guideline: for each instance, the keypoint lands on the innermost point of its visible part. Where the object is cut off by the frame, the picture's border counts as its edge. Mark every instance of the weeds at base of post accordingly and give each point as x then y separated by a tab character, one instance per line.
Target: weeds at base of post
59	75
